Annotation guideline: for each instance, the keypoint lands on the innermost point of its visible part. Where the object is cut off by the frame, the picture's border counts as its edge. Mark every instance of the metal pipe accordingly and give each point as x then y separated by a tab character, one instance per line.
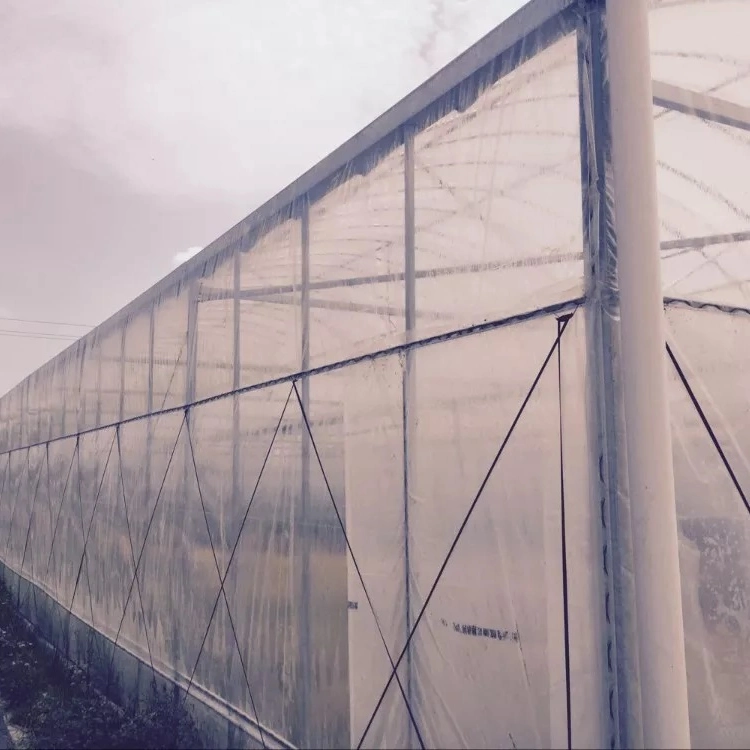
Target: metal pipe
304	539
661	642
619	673
409	394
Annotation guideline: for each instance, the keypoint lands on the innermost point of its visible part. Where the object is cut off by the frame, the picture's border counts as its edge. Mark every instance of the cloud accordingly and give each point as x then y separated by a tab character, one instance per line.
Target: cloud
215	97
185	255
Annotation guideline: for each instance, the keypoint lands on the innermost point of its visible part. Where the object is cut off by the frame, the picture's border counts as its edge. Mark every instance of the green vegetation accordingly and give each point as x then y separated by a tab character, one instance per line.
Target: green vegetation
55	706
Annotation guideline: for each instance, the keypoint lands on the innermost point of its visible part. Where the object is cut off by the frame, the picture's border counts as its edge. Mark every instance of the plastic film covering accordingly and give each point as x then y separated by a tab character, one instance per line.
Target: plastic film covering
334	476
710	428
700	65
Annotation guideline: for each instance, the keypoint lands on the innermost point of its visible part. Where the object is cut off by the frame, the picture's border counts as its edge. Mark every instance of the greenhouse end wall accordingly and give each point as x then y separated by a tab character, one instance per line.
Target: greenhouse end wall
355	475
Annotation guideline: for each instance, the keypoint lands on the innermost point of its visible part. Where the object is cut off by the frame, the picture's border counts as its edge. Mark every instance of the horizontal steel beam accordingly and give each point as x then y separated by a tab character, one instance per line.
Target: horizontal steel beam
705	106
711	239
209	294
349	306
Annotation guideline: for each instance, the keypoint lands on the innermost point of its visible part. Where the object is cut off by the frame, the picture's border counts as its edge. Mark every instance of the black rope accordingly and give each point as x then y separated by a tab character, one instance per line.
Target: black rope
222	589
28	533
15	503
543	312
356	567
87	534
561	322
143	546
132	553
83	539
709	428
59	509
464	523
5	476
31	514
237	542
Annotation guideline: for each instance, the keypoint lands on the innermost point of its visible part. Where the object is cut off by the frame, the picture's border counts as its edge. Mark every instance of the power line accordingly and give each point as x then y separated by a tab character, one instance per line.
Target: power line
47	322
38	335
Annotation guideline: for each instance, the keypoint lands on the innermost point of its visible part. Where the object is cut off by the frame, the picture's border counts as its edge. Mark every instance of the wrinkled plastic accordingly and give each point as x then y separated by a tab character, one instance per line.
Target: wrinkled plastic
289	454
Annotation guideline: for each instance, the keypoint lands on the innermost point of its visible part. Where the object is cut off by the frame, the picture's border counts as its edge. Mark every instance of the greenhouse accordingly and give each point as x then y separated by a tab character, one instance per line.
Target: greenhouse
446	444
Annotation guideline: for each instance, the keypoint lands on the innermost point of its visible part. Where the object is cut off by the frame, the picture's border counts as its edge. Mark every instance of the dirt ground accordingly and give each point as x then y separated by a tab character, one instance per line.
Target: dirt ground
48	703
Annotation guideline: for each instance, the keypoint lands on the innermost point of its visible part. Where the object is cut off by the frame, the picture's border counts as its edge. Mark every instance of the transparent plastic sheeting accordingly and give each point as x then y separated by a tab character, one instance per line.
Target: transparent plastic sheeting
497	231
702	164
712	349
357	479
486	664
351	520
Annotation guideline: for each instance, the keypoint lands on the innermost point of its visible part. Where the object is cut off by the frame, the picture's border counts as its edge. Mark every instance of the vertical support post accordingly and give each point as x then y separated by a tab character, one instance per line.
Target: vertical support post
60	368
191	364
236	376
658	598
236	497
39	405
81	401
621	697
151	338
150	400
192	340
98	383
305	535
408	393
188	470
123	337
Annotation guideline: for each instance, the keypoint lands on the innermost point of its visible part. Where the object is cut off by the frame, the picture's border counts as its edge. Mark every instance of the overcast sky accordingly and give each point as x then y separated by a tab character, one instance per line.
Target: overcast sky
132	131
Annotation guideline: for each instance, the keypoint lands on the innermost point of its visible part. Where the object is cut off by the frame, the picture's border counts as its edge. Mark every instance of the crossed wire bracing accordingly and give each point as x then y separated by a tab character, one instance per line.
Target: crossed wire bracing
34	479
136	559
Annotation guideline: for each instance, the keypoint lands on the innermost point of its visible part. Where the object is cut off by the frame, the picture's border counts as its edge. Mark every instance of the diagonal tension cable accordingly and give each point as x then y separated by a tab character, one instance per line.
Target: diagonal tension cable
143	546
709	429
222	589
356	567
464	523
132	551
59	508
236	545
31	515
5	477
83	539
88	532
25	470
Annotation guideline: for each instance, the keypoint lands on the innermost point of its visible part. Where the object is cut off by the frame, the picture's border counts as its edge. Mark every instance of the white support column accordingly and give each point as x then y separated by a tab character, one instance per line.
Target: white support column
649	451
121	411
409	399
150	400
192	340
236	379
99	385
151	338
304	537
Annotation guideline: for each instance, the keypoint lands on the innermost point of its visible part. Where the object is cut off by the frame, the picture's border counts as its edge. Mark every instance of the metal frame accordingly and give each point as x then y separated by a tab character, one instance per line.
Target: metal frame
409	397
600	266
305	500
453	88
704	106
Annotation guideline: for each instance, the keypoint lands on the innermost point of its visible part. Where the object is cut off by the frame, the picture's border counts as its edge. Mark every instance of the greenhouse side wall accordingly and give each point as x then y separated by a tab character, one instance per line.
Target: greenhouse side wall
337	479
700	58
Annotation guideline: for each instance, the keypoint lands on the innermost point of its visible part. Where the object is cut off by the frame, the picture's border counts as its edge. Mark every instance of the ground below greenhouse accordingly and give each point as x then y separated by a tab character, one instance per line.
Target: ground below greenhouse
45	702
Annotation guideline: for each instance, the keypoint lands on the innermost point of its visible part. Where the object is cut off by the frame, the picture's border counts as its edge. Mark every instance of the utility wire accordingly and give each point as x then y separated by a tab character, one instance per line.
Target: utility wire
47	322
51	336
